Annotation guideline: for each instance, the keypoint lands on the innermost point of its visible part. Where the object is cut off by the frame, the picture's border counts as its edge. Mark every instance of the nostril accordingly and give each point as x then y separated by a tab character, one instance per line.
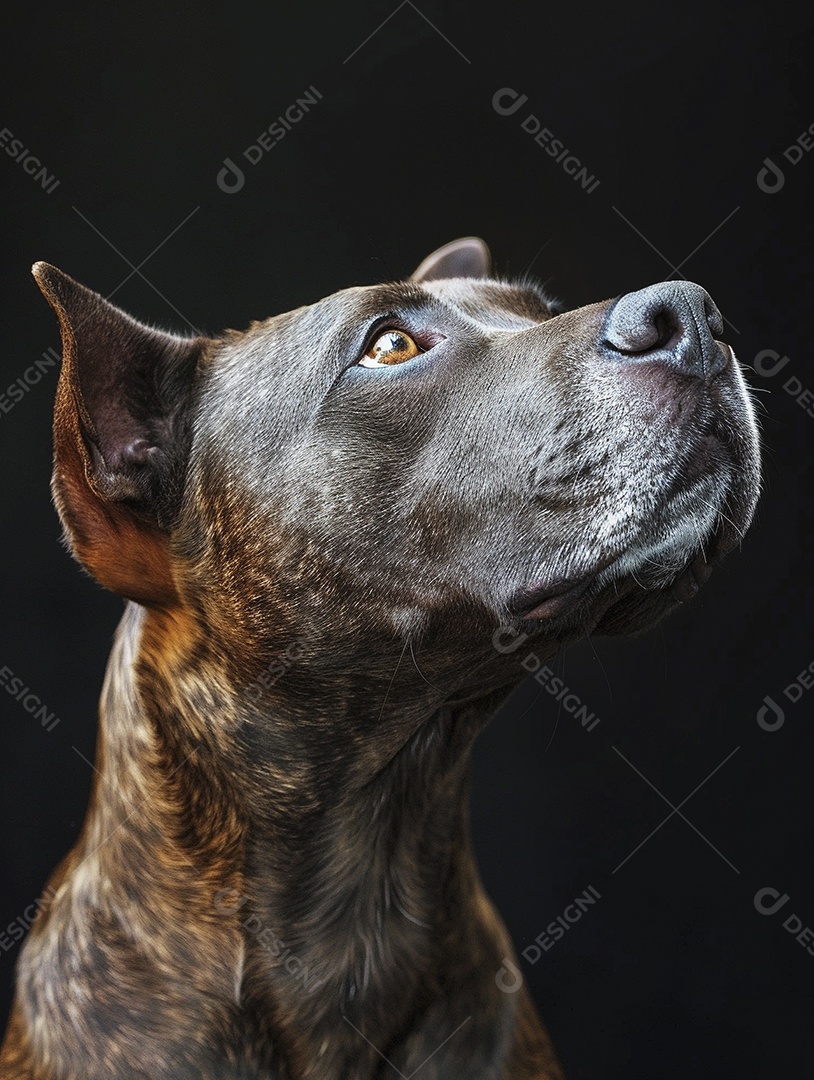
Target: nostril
667	328
656	328
674	322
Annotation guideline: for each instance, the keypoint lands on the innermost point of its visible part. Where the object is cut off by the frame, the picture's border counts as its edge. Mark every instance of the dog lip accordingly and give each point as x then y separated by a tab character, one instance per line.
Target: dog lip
557	598
694	576
546	601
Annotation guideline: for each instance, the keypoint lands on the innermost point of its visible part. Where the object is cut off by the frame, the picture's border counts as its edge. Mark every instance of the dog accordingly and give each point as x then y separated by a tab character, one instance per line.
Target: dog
331	532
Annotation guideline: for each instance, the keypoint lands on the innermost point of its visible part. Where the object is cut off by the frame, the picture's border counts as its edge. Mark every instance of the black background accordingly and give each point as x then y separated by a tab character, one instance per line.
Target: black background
673	108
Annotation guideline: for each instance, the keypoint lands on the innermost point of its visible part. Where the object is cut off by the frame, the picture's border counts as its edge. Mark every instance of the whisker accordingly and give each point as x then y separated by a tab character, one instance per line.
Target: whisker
420	672
392	679
739	532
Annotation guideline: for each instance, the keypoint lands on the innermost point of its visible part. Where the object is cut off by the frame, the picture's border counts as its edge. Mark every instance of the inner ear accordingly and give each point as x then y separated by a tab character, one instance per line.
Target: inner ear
121	437
468	257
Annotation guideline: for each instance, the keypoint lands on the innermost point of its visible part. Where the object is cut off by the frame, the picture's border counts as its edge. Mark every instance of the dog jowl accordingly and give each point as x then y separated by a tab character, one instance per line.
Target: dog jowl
318	525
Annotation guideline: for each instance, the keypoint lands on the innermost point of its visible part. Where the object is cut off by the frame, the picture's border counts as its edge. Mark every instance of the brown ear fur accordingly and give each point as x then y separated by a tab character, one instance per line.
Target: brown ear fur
116	445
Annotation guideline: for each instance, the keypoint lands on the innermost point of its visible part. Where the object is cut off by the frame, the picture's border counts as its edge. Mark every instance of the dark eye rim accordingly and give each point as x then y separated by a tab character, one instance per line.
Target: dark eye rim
425	338
390	332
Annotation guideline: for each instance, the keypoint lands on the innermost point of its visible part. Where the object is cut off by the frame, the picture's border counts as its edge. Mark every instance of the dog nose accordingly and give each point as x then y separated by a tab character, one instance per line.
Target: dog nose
673	322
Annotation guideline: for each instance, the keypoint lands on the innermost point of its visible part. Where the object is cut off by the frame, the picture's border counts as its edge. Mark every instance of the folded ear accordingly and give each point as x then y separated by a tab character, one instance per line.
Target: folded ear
121	438
467	257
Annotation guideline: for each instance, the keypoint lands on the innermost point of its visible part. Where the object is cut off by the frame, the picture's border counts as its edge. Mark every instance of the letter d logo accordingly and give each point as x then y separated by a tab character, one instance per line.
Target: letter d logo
230	178
772	894
770	178
518	100
229	901
509	979
516	639
770	716
768	370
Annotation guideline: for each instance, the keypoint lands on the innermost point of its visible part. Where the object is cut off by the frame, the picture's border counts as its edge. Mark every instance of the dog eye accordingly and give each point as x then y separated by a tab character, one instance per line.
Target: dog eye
391	347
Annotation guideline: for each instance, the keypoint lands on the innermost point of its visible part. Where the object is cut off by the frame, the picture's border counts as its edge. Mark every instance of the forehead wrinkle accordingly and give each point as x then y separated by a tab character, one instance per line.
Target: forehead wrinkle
286	364
342	318
485	305
495	305
322	337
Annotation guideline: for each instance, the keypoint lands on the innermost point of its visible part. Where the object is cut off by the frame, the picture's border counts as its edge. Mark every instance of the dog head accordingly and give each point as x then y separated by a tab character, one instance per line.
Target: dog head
415	462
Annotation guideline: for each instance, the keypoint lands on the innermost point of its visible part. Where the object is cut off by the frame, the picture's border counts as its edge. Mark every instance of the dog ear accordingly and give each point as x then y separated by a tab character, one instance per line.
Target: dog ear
468	257
121	438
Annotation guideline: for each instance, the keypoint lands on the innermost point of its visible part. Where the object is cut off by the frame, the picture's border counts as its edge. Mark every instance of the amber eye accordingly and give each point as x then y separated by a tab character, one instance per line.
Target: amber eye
391	347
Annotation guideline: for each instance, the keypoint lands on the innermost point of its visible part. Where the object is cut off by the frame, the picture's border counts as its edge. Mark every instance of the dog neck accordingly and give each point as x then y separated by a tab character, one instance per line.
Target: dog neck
314	901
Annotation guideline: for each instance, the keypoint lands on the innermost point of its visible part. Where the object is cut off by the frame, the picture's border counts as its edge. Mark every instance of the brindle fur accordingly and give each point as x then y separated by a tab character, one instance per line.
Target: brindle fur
275	877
